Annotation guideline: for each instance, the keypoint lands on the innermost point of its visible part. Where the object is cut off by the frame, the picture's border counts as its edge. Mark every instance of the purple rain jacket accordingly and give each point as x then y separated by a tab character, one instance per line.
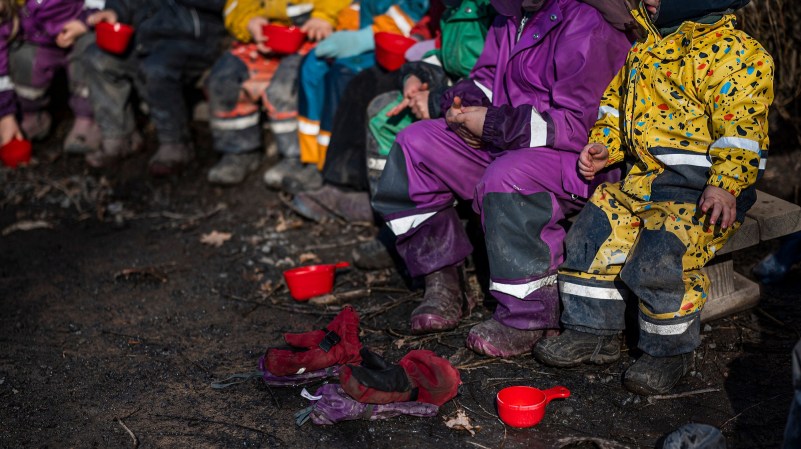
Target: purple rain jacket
8	99
543	84
42	20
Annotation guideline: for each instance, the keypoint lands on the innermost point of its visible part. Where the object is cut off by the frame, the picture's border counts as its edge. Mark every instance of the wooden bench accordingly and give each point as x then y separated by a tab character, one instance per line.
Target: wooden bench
731	292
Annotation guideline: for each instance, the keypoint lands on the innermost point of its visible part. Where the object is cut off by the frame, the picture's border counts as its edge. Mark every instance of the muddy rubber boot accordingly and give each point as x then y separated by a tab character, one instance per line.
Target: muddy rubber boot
84	137
305	178
497	340
573	348
113	150
233	168
170	159
445	302
310	209
351	206
372	255
36	125
656	375
276	174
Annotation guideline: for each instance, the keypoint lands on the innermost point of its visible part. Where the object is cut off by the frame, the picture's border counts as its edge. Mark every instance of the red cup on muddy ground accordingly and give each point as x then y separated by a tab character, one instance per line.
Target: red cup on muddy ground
390	50
16	152
313	280
113	38
523	406
283	39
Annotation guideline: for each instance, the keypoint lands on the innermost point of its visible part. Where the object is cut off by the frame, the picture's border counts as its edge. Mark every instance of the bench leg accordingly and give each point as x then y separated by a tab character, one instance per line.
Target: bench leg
729	292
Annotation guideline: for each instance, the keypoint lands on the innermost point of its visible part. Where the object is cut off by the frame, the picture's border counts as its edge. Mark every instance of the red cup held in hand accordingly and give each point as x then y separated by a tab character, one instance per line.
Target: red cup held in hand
283	39
390	50
113	38
16	152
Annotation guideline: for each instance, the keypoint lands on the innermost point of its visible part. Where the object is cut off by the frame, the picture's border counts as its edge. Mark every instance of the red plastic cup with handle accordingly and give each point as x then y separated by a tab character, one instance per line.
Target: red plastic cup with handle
113	38
523	406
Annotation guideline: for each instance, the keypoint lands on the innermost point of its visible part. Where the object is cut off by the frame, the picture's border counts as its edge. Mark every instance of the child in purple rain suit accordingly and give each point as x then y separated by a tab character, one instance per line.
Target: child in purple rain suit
9	23
509	143
52	37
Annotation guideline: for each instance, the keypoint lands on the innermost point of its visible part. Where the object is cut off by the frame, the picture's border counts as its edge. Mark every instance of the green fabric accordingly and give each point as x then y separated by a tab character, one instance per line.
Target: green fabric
464	30
385	128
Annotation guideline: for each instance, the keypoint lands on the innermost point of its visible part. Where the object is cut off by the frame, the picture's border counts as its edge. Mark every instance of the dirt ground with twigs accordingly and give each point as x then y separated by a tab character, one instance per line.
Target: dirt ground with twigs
115	318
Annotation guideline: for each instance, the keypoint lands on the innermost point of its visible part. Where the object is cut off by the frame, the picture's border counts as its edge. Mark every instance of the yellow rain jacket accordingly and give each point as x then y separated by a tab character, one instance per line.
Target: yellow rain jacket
692	108
238	13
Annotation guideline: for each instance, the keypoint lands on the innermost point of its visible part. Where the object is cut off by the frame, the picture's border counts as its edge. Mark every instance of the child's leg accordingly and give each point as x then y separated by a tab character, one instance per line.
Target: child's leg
111	81
85	135
32	68
597	246
310	106
234	89
281	101
664	271
376	153
522	204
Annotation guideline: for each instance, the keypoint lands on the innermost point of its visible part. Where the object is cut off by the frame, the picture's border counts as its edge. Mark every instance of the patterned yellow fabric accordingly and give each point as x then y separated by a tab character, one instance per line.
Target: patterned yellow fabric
628	216
238	13
698	97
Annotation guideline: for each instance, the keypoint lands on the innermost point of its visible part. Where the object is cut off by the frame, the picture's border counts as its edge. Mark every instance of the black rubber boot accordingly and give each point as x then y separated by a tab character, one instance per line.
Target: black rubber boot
573	348
656	375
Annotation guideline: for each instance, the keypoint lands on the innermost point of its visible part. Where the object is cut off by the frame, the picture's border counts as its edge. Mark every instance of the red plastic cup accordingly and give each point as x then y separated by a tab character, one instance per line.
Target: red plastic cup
113	38
314	280
283	39
16	152
390	50
523	406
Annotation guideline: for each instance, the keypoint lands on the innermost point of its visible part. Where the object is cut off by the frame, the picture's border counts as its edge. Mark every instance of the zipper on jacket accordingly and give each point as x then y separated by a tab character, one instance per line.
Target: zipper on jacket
522	24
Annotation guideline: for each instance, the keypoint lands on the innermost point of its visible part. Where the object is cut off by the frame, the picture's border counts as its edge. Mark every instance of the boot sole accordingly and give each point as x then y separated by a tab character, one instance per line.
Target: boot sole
481	346
427	324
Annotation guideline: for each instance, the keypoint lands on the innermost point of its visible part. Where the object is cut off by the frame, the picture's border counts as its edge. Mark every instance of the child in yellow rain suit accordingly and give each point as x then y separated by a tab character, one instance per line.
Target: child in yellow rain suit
251	76
691	107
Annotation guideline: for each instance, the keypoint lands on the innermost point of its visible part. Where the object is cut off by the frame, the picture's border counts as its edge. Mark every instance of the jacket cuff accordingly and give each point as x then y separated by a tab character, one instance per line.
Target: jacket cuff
492	125
726	183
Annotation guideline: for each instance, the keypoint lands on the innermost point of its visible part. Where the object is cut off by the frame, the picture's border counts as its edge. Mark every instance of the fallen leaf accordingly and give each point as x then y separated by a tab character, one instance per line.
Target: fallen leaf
308	257
400	342
285	225
266	287
460	421
215	238
27	225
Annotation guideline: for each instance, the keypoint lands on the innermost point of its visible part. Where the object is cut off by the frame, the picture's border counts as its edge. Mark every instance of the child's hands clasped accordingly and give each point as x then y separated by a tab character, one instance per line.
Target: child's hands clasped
720	205
466	121
415	96
592	159
317	29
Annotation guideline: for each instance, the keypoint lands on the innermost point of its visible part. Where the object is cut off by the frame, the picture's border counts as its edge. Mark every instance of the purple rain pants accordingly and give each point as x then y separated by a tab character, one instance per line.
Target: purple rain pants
33	66
521	201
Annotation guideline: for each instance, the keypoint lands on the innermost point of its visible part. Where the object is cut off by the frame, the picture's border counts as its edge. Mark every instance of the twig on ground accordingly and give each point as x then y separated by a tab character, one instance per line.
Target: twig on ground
133	437
336	298
374	312
212	421
658	397
334	245
154	272
477	445
746	409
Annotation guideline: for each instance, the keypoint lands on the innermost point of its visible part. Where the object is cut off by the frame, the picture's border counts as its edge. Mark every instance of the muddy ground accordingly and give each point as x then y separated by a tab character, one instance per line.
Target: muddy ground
115	318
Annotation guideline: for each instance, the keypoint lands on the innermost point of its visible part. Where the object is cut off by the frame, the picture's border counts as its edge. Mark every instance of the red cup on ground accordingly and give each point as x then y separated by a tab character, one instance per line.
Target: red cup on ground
283	39
523	406
313	280
390	50
16	152
113	38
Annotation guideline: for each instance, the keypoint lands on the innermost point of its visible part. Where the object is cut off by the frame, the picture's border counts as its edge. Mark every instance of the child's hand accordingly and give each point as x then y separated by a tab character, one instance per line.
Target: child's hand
317	29
720	205
452	112
71	31
255	29
466	121
411	86
107	15
9	129
344	44
592	159
419	104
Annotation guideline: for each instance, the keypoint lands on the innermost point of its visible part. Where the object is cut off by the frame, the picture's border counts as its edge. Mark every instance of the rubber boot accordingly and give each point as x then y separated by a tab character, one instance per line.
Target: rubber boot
113	150
445	302
36	125
656	375
494	339
351	206
573	348
233	168
84	137
170	159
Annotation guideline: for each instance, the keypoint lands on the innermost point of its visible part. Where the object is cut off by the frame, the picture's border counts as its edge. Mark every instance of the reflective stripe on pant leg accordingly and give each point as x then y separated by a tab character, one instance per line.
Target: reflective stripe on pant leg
308	130
237	134
32	68
664	271
597	245
311	93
